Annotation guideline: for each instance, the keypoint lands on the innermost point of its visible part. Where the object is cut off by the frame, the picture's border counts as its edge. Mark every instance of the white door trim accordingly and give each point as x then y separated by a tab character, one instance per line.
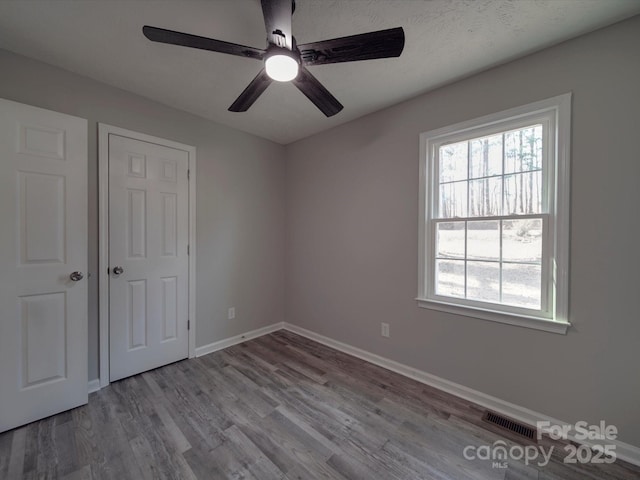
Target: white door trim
104	131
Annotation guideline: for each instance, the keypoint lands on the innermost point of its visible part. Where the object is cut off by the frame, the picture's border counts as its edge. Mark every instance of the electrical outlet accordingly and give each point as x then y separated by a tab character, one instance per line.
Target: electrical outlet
384	329
232	313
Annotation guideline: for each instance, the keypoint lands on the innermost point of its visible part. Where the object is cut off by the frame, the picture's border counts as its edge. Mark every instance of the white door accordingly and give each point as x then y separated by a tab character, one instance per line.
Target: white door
43	241
148	258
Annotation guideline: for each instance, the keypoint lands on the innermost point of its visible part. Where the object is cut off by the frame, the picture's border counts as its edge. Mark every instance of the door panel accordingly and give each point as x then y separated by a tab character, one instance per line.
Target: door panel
41	211
169	308
148	236
43	313
137	223
44	349
137	313
169	224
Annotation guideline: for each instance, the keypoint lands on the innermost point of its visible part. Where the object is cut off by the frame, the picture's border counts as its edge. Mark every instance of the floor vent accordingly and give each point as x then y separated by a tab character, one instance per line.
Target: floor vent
515	427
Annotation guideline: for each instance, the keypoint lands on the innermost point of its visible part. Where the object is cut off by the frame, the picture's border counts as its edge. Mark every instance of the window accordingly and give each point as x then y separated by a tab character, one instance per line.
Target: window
494	211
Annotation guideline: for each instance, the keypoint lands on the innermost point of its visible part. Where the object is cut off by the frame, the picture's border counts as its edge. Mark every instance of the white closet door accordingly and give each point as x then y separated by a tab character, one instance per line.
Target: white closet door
148	258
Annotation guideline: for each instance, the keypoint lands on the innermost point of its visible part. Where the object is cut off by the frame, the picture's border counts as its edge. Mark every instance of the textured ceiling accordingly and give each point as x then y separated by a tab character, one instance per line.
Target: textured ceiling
445	40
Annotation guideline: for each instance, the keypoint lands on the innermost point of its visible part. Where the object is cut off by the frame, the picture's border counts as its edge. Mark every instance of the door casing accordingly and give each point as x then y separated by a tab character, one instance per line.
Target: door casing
104	131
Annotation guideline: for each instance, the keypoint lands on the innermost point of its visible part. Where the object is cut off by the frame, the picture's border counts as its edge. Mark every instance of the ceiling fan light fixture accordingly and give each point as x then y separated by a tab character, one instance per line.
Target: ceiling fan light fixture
281	67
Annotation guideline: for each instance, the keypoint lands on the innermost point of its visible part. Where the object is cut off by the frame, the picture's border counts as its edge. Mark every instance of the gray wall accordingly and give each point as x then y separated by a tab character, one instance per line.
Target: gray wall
352	230
240	196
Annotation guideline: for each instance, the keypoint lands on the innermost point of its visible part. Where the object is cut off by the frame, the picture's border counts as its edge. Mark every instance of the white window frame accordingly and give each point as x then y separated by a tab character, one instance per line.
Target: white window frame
555	116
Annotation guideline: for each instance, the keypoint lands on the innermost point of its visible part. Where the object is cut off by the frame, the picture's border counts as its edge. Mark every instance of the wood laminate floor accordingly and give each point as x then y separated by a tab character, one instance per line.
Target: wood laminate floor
277	407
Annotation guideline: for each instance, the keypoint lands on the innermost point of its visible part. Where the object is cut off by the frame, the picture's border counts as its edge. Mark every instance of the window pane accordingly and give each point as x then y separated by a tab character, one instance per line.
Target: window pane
486	156
522	240
485	197
450	241
453	162
453	200
483	240
483	281
523	193
450	278
521	285
523	149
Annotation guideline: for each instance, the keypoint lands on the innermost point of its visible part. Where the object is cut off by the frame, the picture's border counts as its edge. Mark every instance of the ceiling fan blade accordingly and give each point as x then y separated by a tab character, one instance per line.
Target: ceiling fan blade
194	41
366	46
277	17
252	92
315	91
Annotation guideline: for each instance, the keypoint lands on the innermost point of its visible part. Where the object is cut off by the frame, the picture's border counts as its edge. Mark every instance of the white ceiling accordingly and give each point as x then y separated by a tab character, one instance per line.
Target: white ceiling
445	40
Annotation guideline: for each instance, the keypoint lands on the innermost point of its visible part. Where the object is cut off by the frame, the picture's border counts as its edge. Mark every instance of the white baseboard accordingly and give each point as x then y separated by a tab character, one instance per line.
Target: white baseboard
94	385
243	337
624	451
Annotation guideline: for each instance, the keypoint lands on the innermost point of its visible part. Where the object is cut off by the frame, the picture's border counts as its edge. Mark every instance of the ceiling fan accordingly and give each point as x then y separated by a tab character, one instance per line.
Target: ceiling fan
286	61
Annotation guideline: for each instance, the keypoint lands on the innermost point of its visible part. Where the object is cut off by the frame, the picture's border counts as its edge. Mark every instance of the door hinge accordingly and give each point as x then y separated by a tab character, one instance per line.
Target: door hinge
188	250
188	174
188	324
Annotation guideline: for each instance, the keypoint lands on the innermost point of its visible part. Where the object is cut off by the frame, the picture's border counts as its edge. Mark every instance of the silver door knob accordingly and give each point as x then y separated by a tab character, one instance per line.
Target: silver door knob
76	276
117	270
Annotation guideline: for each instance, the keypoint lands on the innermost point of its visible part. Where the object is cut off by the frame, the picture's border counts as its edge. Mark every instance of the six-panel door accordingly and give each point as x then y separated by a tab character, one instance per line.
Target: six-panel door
43	241
148	241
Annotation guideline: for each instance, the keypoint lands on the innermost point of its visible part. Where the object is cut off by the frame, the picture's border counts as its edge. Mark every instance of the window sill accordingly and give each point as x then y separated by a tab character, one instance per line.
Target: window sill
494	316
